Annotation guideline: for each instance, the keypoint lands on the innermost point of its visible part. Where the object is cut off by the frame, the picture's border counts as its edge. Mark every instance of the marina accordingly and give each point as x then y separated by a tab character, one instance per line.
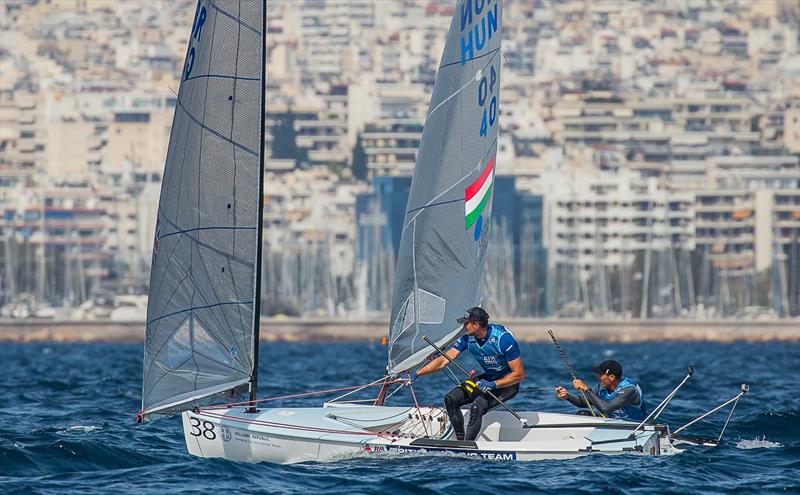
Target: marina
525	329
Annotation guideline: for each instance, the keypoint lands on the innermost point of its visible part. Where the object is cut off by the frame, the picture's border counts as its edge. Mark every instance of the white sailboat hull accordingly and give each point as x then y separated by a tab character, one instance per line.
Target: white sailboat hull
291	435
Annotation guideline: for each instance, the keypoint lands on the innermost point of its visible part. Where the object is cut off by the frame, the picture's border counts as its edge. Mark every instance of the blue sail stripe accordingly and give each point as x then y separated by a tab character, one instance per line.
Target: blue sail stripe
223	76
198	307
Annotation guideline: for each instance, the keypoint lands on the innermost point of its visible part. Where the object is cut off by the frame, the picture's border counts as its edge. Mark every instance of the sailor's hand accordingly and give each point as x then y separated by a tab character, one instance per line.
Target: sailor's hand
411	378
486	385
579	385
562	393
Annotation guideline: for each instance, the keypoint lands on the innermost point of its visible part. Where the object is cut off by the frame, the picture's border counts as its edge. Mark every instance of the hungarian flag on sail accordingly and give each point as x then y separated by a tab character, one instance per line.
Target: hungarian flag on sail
477	195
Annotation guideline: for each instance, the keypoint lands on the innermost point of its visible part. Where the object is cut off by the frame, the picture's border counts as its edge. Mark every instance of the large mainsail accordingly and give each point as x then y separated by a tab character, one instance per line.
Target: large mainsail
202	307
440	261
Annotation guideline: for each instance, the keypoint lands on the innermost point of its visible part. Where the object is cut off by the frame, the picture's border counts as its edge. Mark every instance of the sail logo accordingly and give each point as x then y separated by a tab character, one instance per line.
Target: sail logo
474	40
194	37
476	197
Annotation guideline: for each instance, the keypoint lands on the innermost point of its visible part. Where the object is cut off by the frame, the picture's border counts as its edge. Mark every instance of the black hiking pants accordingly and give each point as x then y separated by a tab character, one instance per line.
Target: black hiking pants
481	403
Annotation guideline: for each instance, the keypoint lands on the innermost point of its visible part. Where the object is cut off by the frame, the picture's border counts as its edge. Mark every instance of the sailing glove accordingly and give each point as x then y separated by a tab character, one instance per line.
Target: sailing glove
412	377
486	385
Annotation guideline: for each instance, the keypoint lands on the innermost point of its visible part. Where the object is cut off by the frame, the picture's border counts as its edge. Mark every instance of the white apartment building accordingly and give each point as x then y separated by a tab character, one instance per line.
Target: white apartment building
597	218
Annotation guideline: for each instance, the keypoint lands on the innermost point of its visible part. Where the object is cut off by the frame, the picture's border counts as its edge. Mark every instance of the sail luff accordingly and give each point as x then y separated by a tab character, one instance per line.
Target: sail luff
260	221
448	216
199	335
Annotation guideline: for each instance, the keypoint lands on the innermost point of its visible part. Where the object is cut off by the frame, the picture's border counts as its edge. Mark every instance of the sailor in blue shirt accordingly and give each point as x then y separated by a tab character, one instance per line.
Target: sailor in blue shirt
497	352
617	396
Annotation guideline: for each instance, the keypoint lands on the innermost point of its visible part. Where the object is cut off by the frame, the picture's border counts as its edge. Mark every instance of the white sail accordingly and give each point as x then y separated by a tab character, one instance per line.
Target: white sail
202	304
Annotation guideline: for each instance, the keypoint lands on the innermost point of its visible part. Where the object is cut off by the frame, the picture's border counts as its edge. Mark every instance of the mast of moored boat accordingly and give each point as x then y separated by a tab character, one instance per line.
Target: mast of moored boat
260	221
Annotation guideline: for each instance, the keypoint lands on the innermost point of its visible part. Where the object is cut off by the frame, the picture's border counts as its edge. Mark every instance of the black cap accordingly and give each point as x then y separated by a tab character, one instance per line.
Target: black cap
474	314
609	366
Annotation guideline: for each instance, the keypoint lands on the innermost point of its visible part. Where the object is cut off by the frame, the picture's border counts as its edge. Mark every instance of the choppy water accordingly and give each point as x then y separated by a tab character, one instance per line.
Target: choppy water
67	425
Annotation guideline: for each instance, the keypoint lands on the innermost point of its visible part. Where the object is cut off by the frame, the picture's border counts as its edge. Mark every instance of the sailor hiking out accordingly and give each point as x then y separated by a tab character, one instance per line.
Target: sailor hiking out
616	396
497	351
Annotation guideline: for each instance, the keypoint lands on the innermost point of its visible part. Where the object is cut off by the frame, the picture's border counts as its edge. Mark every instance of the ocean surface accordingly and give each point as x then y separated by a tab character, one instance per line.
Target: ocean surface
67	425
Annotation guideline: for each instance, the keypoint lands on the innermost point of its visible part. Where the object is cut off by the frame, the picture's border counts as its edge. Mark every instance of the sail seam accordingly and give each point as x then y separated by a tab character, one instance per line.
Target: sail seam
459	90
212	131
470	60
440	203
453	94
214	314
213	4
228	303
194	246
205	245
223	76
235	167
166	305
214	227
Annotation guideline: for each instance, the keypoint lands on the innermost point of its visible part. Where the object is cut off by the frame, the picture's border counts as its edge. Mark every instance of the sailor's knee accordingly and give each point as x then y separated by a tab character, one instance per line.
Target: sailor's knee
477	408
450	402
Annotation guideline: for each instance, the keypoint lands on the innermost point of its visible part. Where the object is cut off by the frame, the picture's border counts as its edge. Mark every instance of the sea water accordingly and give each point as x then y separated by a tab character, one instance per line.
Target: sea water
67	424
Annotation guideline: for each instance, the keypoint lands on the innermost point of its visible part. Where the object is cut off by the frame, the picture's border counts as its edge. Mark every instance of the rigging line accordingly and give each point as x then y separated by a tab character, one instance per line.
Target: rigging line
459	90
358	388
290	426
471	59
435	198
402	414
303	394
393	392
419	411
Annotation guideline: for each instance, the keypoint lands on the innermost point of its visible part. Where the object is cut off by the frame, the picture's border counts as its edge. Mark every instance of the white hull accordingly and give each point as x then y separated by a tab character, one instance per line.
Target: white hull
290	435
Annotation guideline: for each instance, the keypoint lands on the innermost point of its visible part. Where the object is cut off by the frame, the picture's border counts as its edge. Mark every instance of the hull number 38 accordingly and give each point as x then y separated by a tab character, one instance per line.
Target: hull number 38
202	428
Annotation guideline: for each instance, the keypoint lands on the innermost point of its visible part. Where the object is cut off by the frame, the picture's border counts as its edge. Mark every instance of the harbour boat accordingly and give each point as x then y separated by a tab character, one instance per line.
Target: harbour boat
201	343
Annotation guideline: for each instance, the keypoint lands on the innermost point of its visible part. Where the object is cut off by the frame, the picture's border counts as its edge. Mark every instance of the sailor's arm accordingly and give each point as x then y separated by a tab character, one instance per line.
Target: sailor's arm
517	374
575	401
438	363
626	396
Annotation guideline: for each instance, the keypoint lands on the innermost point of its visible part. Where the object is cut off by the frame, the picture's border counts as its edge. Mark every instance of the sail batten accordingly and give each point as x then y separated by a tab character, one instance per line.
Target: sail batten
202	307
444	237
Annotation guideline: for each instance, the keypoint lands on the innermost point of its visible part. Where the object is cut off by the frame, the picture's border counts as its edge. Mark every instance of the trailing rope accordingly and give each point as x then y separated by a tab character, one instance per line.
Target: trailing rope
419	411
304	394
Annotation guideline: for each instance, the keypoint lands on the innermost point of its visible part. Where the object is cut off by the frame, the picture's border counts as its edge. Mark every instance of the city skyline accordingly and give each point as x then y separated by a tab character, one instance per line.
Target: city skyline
647	144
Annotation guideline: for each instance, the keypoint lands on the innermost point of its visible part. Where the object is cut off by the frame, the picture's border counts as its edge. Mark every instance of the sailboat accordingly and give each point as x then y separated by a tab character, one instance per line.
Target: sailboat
201	342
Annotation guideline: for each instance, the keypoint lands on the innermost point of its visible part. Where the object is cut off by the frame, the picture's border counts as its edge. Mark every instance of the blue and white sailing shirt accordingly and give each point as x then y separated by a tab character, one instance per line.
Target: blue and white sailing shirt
492	352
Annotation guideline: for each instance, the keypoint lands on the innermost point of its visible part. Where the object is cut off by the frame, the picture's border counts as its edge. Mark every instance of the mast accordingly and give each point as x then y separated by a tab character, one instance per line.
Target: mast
260	221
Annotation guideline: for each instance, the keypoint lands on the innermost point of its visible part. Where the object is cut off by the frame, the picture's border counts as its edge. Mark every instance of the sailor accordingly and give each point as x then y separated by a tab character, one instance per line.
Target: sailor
617	396
498	354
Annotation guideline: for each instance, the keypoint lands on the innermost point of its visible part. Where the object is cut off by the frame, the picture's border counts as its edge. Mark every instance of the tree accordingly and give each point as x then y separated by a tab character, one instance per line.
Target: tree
359	160
284	139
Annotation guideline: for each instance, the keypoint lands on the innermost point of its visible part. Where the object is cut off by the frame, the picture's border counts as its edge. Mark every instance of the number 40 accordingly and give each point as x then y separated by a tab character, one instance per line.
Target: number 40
484	89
